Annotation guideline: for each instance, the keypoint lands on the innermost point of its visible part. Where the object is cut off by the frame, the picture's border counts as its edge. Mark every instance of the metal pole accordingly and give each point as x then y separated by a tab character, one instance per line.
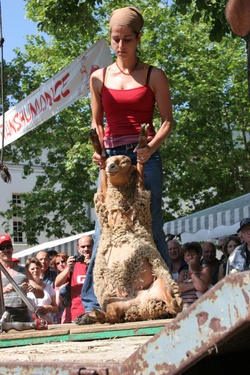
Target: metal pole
2	82
4	171
2	307
18	289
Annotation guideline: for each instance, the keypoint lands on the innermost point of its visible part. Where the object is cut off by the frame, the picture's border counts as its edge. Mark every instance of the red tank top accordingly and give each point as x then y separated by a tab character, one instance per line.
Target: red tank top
126	110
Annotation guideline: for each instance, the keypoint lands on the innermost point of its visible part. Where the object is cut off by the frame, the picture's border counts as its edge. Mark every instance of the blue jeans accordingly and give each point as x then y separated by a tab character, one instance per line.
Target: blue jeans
153	181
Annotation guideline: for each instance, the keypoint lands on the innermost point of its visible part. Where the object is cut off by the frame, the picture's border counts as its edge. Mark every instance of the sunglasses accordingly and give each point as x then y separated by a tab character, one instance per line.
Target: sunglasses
8	247
60	262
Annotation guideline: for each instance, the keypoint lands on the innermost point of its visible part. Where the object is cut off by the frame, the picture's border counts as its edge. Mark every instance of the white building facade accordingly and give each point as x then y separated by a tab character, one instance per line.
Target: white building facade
10	192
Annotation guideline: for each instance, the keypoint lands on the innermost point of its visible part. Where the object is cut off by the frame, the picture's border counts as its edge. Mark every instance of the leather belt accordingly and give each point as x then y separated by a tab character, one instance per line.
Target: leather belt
125	147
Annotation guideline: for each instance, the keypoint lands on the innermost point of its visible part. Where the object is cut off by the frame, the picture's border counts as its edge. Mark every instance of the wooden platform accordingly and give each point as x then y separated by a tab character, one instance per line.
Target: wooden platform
74	332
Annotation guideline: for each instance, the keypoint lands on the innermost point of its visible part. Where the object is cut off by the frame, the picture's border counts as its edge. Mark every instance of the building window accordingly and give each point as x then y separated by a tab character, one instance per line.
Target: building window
17	204
17	230
17	219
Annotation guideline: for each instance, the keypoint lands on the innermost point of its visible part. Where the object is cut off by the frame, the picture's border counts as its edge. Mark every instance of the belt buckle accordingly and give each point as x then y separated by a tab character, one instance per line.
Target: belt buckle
129	146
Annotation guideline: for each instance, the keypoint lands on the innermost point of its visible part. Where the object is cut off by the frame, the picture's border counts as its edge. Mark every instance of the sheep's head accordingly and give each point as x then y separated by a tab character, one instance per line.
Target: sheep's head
119	169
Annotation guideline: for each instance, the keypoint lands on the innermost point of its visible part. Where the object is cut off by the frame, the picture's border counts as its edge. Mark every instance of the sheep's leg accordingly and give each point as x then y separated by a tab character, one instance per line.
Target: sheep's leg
158	291
116	308
140	166
97	315
94	138
114	313
162	292
103	184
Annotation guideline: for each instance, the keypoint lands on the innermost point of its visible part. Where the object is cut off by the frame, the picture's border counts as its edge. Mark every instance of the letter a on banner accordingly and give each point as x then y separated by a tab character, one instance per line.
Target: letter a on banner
63	89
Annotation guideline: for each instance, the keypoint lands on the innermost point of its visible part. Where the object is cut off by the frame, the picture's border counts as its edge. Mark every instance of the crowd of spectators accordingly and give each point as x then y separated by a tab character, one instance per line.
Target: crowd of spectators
53	281
197	266
48	279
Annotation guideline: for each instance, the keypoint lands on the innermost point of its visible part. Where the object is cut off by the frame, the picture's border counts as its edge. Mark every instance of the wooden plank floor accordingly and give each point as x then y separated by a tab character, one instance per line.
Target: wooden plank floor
74	332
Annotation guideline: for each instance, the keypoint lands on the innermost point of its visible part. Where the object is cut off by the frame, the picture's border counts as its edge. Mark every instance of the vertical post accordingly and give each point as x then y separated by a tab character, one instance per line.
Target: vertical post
2	82
4	172
2	307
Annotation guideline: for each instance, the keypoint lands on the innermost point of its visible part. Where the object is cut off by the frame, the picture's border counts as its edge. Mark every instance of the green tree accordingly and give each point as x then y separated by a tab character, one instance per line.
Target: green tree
206	159
212	12
64	19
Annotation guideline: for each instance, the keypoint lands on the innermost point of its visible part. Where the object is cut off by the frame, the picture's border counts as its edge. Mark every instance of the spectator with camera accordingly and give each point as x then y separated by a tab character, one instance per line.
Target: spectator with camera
59	263
75	273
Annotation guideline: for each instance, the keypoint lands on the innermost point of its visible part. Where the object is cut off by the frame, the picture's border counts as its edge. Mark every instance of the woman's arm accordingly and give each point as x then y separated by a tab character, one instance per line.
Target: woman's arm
36	289
202	281
32	286
184	285
221	271
96	82
63	276
160	86
52	308
58	298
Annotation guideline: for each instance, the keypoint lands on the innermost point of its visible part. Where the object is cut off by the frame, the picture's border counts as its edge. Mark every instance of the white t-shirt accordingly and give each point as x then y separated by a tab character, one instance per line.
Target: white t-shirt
46	300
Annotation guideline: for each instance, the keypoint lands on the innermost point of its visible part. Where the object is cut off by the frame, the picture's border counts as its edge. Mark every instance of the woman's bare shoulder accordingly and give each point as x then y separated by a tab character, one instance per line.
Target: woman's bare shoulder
158	78
98	73
158	72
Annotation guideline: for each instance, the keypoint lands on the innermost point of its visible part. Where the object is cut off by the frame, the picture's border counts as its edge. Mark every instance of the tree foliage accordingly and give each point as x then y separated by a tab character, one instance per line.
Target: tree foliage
206	159
212	12
63	18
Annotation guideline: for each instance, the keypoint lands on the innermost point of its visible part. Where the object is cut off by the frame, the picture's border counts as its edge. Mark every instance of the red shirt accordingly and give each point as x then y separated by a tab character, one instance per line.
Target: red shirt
77	280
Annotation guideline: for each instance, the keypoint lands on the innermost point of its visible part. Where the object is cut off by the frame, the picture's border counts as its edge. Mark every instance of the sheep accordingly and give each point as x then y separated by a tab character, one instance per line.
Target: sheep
131	280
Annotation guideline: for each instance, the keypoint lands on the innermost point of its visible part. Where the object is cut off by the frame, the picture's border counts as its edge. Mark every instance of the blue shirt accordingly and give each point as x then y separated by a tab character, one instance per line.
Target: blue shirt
49	277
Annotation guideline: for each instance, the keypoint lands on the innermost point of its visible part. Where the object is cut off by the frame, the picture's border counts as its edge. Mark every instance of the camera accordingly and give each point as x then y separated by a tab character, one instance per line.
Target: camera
79	258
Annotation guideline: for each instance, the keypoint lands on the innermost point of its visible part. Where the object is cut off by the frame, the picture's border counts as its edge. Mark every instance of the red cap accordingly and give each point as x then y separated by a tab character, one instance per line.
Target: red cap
15	260
5	238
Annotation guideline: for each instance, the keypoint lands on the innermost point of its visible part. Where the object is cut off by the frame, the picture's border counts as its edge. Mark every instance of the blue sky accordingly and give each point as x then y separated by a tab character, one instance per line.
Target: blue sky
14	27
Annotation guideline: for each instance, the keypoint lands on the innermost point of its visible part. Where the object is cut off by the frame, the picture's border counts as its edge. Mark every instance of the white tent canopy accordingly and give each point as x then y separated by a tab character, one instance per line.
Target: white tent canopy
222	219
66	244
210	223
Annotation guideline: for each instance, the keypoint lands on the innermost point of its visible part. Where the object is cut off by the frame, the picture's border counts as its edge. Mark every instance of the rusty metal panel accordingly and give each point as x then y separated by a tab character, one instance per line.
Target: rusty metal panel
218	318
66	368
217	326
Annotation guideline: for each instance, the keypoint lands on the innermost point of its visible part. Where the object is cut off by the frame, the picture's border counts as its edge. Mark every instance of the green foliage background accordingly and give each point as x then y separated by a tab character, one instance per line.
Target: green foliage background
206	159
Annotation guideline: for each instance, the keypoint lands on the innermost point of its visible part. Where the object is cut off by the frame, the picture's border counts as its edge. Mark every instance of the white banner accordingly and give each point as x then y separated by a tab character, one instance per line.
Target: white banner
63	89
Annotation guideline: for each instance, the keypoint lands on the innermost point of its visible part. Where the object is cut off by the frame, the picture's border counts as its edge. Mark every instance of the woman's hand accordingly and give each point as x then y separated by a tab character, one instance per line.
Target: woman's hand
193	266
70	262
99	160
45	309
32	288
25	287
143	154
